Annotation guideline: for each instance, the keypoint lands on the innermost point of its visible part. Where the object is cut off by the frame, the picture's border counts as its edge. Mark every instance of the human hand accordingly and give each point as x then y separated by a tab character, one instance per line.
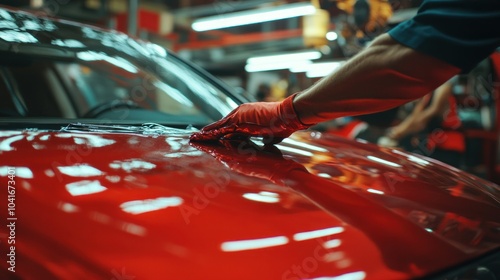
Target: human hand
396	133
271	120
246	158
406	128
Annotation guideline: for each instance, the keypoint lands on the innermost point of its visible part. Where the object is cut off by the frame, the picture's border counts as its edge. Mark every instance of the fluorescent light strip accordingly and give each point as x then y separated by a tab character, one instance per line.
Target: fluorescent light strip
253	16
292	56
275	65
321	66
321	72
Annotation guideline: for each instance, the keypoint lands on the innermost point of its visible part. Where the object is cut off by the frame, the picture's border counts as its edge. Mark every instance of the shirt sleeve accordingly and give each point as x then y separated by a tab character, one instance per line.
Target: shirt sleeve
459	32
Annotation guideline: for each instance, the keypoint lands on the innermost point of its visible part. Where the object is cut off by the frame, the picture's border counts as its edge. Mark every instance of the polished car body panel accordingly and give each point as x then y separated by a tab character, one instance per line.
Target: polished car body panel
142	202
95	203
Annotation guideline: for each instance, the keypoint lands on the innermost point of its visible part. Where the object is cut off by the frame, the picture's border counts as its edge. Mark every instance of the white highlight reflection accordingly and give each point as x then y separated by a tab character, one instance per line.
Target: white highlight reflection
232	246
90	140
21	172
17	36
85	187
383	161
68	207
134	229
266	197
5	145
148	205
304	145
334	243
117	61
82	170
317	233
358	275
295	151
418	160
9	133
70	43
132	165
375	191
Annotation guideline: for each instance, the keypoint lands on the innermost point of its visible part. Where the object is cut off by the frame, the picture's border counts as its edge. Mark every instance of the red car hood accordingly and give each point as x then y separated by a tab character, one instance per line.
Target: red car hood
91	205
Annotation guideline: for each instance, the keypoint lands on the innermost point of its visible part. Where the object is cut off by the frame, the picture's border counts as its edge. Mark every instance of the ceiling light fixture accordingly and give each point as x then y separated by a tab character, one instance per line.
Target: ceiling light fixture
282	57
277	65
253	16
317	70
332	36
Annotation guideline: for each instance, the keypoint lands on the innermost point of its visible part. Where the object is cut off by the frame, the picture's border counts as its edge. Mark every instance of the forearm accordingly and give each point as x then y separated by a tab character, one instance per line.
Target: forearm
382	76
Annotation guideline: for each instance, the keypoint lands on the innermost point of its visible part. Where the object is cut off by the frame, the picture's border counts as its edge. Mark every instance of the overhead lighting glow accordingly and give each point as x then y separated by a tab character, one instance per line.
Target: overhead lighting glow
332	65
253	16
241	245
281	61
275	65
331	36
318	70
294	56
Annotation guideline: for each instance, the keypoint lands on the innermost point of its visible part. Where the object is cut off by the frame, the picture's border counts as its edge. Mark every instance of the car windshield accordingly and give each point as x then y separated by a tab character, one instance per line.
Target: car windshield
97	85
51	69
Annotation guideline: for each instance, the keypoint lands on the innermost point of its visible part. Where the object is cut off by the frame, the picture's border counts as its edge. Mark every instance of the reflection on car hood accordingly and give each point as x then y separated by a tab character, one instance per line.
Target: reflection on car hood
100	203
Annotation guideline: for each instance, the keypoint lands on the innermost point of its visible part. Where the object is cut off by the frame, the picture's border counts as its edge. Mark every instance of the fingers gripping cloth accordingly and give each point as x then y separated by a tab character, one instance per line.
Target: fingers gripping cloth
271	120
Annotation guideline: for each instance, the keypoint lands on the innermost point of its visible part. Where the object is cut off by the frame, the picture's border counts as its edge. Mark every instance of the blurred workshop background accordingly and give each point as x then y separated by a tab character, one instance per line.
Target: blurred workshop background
271	49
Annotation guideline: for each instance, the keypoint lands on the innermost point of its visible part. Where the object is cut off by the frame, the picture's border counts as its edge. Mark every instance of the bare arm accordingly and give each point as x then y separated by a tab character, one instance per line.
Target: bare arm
384	75
438	105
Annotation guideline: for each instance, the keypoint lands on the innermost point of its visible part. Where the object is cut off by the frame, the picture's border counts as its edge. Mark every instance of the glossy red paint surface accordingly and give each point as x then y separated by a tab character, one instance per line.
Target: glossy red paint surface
95	205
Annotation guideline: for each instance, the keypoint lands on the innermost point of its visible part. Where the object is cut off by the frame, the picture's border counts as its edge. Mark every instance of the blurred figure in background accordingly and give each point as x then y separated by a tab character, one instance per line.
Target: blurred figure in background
263	92
435	125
